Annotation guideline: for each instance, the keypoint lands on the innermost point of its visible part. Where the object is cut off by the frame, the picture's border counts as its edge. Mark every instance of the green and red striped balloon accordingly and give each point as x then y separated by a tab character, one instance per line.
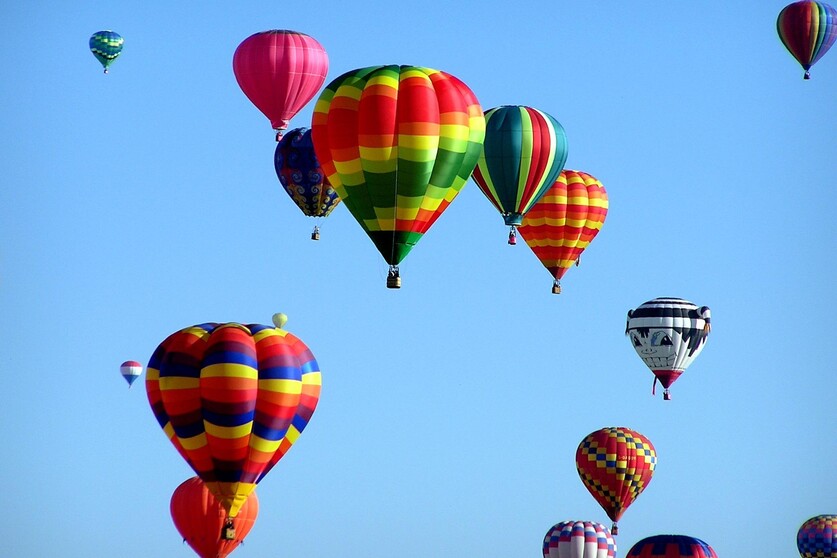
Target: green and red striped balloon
398	144
524	151
807	29
232	399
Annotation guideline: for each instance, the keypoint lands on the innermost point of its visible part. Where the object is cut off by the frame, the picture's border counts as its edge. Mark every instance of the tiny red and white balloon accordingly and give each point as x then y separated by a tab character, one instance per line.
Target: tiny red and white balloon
131	370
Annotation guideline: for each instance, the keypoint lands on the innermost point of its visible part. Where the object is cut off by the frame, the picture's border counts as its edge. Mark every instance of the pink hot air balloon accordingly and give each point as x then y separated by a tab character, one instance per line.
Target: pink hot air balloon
280	71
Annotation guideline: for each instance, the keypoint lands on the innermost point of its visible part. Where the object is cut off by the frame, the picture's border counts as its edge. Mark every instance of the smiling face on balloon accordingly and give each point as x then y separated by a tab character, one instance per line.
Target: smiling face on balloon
656	347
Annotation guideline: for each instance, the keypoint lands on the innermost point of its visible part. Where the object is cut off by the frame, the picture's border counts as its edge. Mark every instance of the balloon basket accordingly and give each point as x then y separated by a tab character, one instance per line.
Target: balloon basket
228	532
512	237
315	234
393	278
614	530
666	396
807	75
556	288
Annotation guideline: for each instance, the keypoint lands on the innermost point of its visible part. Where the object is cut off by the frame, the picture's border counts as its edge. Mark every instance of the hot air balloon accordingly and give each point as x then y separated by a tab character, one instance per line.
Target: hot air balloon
817	538
807	29
671	546
131	370
232	399
563	223
302	177
398	143
668	334
106	46
579	539
615	464
280	71
523	153
199	518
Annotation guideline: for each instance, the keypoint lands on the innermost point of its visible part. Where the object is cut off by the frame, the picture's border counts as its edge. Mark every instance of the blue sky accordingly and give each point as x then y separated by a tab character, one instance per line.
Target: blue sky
145	201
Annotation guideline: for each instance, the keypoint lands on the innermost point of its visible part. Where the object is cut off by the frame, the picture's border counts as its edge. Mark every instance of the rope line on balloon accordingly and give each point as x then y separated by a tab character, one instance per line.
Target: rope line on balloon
393	275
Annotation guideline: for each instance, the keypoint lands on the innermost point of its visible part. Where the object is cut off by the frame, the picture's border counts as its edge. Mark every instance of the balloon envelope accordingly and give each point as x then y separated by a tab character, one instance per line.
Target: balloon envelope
232	399
301	175
579	539
106	46
523	153
817	537
615	464
130	370
671	546
563	223
199	519
398	143
280	71
807	29
668	334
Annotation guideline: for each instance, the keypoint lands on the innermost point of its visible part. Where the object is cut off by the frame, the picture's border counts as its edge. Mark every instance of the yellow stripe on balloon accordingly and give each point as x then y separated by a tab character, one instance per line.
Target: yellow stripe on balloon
178	382
229	370
228	432
268	447
193	443
281	386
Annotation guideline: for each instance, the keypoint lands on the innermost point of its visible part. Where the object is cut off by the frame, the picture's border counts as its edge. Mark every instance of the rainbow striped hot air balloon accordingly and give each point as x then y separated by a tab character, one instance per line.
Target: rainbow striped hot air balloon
563	223
524	151
106	46
807	29
233	399
398	143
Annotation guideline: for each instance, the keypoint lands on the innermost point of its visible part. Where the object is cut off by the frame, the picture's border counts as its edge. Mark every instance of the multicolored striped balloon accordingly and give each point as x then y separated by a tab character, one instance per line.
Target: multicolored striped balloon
615	464
671	546
280	71
199	518
232	399
301	175
524	151
563	223
579	539
668	334
106	46
817	538
807	29
398	144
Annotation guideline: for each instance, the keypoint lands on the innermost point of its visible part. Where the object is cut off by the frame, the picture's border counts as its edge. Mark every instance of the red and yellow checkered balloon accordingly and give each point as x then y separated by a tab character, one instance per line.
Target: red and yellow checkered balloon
615	464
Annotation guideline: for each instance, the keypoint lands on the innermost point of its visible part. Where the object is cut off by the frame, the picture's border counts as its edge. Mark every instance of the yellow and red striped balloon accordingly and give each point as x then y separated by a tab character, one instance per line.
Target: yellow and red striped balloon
566	219
232	399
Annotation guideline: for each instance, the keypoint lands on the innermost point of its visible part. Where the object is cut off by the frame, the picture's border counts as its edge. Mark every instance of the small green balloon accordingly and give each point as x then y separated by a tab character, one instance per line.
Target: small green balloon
280	319
106	46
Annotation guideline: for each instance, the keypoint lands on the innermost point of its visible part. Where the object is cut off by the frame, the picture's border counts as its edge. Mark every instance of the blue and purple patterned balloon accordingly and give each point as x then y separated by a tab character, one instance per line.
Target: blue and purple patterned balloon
817	538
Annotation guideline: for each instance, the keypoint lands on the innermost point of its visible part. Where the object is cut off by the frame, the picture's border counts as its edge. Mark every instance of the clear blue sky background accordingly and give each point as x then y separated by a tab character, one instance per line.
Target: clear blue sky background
144	201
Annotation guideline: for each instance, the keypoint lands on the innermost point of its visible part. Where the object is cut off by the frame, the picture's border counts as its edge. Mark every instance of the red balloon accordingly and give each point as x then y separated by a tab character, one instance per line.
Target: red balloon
280	71
200	519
